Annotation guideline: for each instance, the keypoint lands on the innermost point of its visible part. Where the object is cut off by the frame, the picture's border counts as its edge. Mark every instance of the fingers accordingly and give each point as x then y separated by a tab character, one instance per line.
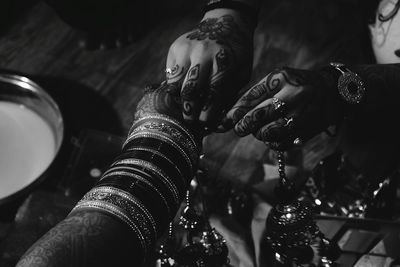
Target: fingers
189	68
276	131
192	93
176	67
264	113
254	119
219	97
288	131
263	90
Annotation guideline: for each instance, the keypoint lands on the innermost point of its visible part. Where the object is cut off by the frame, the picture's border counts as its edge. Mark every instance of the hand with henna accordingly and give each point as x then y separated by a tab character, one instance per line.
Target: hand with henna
210	64
285	105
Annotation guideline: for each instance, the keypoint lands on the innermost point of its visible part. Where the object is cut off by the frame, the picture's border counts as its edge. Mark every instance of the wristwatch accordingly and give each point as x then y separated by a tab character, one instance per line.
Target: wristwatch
350	86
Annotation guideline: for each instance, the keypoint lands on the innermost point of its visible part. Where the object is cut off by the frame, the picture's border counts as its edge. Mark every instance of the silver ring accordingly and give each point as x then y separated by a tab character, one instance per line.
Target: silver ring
278	104
171	71
289	122
297	141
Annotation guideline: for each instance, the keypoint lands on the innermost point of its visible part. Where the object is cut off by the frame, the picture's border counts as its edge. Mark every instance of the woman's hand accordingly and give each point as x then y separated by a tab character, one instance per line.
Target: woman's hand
210	64
285	105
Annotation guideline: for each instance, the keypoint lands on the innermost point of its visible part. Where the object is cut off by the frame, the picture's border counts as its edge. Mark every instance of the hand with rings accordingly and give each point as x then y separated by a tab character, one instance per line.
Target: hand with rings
287	107
208	65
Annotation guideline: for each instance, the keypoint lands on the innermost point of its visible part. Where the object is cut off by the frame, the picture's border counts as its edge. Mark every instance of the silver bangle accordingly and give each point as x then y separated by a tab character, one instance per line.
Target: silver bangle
125	207
160	155
190	159
118	170
116	212
157	171
179	140
166	129
168	119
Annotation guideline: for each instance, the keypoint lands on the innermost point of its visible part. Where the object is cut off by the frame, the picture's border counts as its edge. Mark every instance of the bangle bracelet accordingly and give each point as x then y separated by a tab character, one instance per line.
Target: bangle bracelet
162	128
115	212
94	200
156	207
158	183
192	155
150	199
129	209
170	168
235	5
168	149
156	171
165	118
171	160
127	180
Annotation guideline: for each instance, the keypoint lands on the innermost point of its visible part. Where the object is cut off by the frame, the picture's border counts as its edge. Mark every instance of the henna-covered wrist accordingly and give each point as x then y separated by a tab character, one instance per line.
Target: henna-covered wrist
248	10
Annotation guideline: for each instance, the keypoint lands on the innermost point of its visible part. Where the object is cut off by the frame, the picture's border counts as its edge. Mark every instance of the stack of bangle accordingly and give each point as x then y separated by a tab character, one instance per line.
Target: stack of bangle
146	183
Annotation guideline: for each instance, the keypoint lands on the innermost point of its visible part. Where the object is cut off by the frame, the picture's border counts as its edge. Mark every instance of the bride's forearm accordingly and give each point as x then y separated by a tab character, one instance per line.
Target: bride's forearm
88	238
119	220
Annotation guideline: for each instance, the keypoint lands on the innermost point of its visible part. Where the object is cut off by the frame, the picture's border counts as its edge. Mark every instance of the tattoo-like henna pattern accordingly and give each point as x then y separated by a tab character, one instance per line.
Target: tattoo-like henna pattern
211	96
163	99
241	128
223	30
256	119
225	63
235	44
265	89
190	90
320	104
76	241
294	77
258	93
193	73
273	132
177	73
223	60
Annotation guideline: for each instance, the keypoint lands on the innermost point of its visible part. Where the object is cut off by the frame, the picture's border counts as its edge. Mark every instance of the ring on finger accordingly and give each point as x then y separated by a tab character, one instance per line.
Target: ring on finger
279	105
171	71
297	141
289	122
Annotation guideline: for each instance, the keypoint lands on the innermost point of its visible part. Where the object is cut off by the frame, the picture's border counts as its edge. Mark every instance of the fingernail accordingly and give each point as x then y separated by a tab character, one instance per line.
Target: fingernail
240	129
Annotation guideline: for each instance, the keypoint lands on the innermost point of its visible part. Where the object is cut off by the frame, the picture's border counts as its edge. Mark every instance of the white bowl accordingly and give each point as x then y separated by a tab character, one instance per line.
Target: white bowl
31	133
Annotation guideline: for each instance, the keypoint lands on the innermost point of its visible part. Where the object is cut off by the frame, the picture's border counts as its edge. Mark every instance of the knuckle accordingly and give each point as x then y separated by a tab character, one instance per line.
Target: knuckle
179	45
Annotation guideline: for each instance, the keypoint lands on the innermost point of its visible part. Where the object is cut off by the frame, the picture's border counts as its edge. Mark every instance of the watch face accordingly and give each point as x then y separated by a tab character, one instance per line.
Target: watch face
385	32
351	87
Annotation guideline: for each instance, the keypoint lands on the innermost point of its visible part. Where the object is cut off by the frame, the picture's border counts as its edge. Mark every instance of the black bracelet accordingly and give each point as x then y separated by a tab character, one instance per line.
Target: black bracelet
147	175
168	167
149	198
239	6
